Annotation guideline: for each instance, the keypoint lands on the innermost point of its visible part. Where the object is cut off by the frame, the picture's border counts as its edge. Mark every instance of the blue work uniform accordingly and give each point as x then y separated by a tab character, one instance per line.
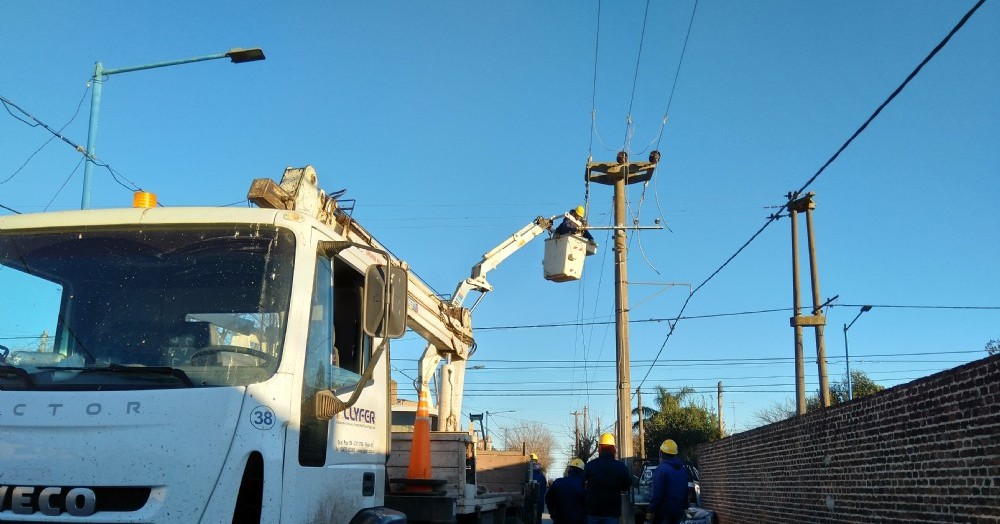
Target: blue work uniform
670	491
605	480
540	486
567	499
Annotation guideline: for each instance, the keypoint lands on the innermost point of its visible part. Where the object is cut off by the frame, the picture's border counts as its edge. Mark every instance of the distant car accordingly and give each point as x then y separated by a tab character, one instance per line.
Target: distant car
642	492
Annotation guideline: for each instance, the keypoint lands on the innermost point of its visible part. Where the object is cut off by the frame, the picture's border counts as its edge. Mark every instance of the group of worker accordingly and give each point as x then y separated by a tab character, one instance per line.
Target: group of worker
591	493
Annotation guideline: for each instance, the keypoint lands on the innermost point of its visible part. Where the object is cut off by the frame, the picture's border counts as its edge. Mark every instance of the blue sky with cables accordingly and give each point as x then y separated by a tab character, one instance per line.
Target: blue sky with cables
453	124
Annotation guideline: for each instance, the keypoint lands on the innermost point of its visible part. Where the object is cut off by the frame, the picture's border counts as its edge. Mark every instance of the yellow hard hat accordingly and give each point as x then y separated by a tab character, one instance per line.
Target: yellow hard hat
534	457
607	439
669	447
576	463
580	211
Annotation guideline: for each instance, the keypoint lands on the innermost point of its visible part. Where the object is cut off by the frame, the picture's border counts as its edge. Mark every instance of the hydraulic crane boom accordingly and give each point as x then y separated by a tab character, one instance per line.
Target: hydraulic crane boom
493	258
452	383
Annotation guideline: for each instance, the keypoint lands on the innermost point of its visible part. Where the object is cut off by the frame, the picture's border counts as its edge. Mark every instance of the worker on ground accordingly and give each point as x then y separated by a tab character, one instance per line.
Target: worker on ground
574	223
605	479
670	487
540	486
566	497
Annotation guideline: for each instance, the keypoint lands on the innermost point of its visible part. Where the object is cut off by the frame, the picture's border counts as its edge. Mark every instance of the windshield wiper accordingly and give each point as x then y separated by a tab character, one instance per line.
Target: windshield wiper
16	374
180	375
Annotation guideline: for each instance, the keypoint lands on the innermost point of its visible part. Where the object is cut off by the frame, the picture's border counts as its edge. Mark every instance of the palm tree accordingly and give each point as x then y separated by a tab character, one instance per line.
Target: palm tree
665	401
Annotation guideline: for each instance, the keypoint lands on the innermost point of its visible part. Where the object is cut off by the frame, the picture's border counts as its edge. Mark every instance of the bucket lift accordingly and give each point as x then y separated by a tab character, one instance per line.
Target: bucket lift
564	256
563	262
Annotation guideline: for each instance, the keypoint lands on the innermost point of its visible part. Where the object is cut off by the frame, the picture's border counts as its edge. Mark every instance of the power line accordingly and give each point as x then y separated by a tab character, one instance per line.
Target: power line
8	104
71	173
635	78
16	212
593	96
745	359
677	74
720	315
53	137
640	321
822	168
689	380
114	174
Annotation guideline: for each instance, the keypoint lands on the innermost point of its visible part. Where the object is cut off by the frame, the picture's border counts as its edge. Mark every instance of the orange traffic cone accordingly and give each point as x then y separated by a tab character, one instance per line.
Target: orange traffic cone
420	452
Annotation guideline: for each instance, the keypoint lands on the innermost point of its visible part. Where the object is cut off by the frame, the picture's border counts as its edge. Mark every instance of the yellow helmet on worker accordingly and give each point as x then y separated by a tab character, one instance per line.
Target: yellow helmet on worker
577	463
607	439
534	457
669	447
579	210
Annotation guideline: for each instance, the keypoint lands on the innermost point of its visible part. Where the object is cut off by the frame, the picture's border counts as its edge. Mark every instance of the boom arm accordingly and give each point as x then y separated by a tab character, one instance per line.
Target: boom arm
492	259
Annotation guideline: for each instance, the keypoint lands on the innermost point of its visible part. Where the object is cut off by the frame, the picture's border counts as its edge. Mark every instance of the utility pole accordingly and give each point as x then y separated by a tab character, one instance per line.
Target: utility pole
642	430
619	174
800	370
824	382
720	410
816	320
576	433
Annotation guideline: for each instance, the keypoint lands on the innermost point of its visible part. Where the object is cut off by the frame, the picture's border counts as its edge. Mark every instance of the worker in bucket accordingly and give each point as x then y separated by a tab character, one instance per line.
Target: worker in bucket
574	223
540	486
566	497
670	487
605	479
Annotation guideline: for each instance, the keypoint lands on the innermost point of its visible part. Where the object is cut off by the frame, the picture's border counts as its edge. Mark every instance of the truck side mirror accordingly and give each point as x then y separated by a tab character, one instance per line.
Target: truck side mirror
374	305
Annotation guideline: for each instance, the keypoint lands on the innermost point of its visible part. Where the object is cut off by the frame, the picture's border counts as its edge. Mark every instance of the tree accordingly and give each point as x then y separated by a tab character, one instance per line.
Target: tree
861	386
778	410
993	346
533	437
588	445
676	416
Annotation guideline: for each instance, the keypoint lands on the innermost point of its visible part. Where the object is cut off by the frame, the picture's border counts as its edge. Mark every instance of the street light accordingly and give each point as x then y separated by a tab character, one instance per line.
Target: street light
847	357
236	55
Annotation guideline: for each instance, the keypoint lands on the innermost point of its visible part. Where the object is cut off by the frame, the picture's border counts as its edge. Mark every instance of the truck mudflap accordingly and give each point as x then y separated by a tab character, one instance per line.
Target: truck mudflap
379	516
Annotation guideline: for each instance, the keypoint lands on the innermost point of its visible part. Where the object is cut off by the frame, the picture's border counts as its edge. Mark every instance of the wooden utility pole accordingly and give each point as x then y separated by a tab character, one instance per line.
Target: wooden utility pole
619	174
642	430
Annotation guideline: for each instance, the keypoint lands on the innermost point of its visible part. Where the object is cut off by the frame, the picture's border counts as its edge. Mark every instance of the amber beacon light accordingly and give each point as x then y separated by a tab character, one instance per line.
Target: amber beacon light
143	199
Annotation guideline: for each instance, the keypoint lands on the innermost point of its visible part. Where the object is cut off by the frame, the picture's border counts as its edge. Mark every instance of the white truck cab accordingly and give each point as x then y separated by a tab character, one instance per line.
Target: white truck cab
166	365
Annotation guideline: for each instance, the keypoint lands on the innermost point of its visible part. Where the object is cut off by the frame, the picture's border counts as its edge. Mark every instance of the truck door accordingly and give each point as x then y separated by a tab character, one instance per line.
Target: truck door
333	468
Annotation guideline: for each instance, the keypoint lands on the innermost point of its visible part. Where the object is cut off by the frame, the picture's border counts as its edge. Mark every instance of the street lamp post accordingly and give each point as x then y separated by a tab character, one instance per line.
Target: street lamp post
847	357
237	56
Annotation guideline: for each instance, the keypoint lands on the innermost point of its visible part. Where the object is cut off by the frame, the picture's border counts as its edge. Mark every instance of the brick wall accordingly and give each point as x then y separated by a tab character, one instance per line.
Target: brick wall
925	451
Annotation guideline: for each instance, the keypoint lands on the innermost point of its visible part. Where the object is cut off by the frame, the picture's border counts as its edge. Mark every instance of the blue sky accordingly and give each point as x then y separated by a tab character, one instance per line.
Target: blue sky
453	124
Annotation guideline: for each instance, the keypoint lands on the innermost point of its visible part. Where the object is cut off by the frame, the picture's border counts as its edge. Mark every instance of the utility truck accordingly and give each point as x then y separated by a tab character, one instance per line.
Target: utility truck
205	364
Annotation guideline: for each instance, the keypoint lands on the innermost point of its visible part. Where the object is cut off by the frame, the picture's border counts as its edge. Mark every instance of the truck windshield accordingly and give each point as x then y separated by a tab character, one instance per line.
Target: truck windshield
139	308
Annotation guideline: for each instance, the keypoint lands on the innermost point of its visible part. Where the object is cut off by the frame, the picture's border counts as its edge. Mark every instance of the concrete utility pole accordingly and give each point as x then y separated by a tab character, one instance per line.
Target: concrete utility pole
619	174
720	410
816	320
576	433
642	429
800	370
